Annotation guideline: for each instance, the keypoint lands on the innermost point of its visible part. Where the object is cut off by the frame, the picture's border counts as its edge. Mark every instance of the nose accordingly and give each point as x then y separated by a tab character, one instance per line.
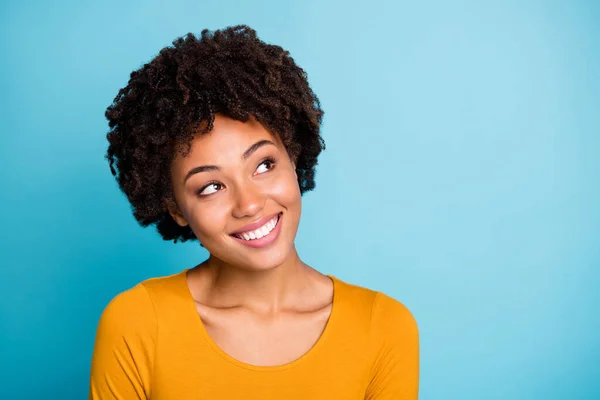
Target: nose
249	201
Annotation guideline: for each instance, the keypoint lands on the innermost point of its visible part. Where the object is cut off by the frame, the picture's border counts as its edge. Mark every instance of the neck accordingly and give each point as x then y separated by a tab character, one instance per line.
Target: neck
264	291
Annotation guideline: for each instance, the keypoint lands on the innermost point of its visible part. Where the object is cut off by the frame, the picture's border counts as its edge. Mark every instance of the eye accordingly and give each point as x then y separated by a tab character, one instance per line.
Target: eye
211	188
268	162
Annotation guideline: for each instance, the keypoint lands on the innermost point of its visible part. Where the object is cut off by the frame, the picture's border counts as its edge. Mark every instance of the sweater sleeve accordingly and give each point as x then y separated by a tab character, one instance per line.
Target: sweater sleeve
123	357
395	341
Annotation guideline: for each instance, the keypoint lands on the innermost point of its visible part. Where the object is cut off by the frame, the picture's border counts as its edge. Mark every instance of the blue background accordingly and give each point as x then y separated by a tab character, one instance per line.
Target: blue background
461	176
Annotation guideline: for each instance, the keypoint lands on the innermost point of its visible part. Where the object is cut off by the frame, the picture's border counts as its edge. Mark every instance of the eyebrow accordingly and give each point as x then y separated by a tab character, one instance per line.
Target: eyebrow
247	153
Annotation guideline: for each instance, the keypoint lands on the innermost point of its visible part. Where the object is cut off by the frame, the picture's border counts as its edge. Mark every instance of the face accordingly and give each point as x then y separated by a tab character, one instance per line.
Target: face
237	189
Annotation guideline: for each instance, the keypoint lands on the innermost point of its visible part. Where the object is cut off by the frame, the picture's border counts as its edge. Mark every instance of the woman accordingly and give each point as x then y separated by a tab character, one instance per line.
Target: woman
215	140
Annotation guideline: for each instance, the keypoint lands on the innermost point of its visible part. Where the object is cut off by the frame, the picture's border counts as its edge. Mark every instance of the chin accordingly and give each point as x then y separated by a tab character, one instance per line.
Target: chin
264	260
252	259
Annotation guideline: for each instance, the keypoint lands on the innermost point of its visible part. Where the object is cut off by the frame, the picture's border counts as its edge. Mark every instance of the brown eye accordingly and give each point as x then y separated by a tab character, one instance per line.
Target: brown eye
211	188
265	166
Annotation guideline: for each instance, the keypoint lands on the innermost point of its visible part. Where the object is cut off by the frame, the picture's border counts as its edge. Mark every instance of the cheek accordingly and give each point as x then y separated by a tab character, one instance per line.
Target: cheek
208	221
286	190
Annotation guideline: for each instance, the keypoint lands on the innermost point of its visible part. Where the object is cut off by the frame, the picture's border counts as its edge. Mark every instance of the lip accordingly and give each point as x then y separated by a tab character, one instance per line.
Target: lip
255	225
265	240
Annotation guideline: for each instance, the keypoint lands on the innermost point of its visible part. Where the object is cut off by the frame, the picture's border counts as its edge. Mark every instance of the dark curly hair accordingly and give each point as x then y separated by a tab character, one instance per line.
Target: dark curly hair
177	94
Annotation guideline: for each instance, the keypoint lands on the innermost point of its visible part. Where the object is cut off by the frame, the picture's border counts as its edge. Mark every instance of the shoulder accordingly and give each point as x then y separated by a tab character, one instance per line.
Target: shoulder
144	296
136	305
126	338
393	325
131	312
394	346
355	302
388	312
383	310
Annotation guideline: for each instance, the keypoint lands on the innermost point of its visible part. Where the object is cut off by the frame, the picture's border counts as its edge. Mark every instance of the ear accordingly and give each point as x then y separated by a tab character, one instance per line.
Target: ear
294	167
176	213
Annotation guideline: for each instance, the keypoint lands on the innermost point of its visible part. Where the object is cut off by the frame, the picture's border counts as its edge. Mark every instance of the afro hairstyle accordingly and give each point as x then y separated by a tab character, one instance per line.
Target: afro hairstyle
176	96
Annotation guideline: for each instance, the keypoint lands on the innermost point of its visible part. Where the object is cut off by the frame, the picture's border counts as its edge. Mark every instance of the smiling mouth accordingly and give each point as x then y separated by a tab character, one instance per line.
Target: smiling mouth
261	232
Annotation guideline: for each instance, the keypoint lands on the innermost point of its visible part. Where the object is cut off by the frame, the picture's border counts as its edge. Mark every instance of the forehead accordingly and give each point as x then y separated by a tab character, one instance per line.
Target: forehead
225	143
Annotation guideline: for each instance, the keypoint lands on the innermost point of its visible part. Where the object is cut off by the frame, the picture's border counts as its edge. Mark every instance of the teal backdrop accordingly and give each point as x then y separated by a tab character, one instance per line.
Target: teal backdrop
461	176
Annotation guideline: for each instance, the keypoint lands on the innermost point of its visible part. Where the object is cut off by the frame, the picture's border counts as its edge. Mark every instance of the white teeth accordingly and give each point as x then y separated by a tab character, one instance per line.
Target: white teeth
260	232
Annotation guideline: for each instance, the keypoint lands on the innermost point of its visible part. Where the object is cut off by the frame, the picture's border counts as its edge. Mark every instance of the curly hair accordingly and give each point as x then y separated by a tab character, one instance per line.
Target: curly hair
177	94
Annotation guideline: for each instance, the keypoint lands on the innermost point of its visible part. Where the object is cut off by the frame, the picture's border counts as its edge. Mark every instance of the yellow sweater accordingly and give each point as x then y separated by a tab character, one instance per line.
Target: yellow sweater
151	344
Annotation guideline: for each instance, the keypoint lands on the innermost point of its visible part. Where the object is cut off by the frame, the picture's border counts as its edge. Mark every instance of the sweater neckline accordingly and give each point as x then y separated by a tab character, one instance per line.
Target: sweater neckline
329	326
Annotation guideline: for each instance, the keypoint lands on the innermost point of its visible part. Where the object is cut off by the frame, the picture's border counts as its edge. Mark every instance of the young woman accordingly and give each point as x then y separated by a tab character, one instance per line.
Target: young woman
215	140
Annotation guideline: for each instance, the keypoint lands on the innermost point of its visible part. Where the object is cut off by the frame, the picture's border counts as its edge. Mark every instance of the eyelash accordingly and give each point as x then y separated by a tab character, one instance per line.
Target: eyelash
271	160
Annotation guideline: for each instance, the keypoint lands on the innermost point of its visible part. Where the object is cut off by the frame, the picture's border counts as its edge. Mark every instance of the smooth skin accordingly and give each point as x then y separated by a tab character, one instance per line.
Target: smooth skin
262	306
